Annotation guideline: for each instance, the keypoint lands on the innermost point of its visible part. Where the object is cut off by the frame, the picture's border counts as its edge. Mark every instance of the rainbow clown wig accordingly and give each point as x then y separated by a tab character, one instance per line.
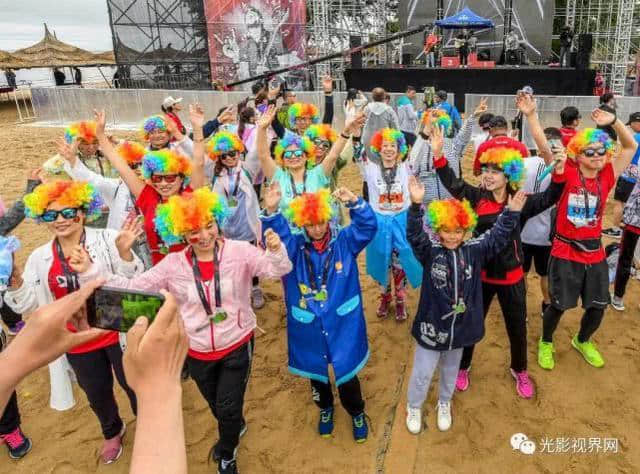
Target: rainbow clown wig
509	161
166	161
322	131
132	152
310	208
76	194
587	137
302	143
85	131
437	118
388	135
301	109
151	124
189	212
223	142
451	214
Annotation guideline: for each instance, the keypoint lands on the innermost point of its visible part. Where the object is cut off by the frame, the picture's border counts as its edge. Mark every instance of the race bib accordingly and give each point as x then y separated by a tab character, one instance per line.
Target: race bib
391	201
577	210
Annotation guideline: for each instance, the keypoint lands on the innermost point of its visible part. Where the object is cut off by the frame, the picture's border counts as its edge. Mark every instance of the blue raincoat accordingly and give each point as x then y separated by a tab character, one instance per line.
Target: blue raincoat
392	234
332	331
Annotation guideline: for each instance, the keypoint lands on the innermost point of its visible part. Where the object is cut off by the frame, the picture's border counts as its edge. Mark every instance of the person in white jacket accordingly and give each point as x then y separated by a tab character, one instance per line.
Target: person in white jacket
65	207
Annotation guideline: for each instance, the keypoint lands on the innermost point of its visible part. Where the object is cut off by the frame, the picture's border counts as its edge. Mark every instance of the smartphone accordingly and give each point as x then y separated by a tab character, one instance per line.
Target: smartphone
117	309
556	145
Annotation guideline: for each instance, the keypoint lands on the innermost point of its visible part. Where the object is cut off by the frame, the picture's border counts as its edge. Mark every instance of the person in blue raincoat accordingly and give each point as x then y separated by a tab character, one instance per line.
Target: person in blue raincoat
387	178
325	316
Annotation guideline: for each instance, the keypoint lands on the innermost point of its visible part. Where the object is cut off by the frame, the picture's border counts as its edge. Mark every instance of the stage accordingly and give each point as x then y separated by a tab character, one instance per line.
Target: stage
461	81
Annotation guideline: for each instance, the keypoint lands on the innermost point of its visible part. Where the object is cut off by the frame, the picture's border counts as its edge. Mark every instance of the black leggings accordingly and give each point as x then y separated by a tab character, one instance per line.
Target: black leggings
10	419
94	371
222	383
349	392
623	272
513	302
9	317
590	322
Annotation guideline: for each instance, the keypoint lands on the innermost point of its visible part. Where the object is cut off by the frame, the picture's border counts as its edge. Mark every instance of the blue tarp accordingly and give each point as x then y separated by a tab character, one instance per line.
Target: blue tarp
465	18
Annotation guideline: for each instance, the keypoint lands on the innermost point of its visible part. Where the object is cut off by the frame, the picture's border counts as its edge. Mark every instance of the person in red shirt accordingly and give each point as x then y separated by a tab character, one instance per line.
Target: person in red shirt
578	267
570	120
498	131
64	207
171	107
503	276
165	173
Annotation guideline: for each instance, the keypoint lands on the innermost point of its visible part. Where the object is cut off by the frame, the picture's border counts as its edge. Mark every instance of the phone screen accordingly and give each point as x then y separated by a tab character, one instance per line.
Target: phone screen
556	144
117	309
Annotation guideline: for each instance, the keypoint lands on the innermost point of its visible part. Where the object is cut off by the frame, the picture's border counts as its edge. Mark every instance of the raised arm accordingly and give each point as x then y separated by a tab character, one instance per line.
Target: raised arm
417	237
270	263
334	153
527	105
363	226
267	163
629	145
196	114
327	86
135	184
274	220
463	137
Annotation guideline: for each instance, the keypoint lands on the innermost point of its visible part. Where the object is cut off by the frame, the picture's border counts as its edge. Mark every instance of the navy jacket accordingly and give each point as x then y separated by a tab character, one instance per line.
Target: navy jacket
450	312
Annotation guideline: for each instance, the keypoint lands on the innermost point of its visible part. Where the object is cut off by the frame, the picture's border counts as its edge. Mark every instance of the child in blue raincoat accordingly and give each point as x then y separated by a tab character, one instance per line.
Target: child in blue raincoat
325	316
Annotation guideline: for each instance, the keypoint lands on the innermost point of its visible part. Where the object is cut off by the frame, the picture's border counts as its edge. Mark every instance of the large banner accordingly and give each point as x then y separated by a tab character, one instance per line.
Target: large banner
250	37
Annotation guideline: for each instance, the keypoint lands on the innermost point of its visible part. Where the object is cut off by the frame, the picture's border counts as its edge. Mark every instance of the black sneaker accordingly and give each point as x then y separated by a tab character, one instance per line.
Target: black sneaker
215	451
227	467
613	232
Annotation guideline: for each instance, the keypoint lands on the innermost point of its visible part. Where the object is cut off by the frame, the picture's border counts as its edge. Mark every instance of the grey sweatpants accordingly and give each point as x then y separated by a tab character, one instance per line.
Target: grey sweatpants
425	362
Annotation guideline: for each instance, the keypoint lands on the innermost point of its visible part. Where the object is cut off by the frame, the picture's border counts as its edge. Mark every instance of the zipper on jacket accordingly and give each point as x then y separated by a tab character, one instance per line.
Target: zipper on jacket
213	347
455	295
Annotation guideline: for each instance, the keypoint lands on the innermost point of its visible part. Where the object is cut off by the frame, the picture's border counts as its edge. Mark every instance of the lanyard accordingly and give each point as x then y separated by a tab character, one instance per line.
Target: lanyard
70	276
293	184
585	193
216	281
321	294
233	190
389	178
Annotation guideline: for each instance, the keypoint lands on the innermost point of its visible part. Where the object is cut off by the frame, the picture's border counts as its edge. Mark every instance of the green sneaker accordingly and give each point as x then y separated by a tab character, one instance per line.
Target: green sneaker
545	355
589	351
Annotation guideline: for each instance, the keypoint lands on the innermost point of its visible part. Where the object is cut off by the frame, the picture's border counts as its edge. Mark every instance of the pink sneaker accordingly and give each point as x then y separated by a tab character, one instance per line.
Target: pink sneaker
112	448
462	381
524	385
383	309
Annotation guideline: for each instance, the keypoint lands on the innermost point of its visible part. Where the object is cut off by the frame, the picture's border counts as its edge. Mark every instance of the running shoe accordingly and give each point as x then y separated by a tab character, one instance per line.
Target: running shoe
524	385
414	419
227	467
215	451
463	381
325	424
444	415
617	303
19	445
401	311
14	329
589	351
112	447
383	309
257	297
360	428
545	355
613	232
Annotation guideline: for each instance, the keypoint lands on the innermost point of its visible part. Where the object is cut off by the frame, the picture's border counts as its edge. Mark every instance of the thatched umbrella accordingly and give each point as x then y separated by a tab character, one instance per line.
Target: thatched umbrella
51	52
8	60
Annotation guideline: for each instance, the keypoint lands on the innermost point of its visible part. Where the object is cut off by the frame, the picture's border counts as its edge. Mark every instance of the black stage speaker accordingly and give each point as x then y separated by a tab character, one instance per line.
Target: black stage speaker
484	55
406	59
356	58
585	46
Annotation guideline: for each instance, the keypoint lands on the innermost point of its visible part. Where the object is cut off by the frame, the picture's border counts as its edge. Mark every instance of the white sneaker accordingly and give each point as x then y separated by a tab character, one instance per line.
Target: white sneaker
444	415
414	419
617	303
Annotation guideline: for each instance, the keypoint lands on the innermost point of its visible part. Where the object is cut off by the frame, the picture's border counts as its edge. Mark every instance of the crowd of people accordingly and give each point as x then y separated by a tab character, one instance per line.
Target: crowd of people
184	212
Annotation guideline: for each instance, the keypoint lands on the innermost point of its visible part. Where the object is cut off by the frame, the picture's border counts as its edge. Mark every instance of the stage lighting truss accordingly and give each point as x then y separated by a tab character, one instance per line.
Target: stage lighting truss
611	24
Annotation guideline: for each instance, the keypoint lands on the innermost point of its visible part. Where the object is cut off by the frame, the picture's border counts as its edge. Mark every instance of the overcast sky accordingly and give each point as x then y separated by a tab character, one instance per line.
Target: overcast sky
83	23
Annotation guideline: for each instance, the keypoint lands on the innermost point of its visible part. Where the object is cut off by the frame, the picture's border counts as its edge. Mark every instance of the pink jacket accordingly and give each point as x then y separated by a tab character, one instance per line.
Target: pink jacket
239	263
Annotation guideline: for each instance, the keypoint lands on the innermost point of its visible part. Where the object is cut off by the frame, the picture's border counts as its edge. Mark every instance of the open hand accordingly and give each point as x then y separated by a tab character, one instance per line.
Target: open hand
227	116
602	118
481	108
516	202
267	117
436	139
354	126
344	195
416	190
101	122
130	231
196	115
69	151
272	196
526	103
272	240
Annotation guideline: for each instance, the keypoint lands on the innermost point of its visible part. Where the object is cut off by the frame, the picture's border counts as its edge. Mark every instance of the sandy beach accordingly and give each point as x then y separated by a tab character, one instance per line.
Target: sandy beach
573	401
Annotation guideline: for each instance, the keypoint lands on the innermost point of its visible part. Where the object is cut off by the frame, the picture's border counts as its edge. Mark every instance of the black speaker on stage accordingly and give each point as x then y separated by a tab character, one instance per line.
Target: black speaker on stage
356	58
484	55
585	46
406	59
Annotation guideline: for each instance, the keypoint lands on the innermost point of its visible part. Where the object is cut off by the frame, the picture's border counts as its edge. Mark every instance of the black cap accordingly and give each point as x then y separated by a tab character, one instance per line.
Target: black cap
498	122
634	117
442	94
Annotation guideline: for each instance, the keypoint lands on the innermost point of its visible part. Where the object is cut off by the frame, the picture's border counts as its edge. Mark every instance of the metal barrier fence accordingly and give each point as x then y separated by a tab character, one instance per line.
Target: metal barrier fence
126	108
549	108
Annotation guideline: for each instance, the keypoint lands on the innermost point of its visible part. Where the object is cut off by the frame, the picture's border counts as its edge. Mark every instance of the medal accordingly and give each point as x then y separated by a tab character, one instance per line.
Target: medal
304	289
220	316
321	295
232	201
303	303
164	250
460	308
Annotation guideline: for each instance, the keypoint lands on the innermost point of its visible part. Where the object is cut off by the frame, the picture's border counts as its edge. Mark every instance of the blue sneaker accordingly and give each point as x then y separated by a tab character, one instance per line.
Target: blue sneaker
360	428
325	425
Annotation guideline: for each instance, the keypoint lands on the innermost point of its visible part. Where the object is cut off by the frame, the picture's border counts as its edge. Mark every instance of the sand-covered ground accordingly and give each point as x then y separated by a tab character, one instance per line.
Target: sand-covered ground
572	402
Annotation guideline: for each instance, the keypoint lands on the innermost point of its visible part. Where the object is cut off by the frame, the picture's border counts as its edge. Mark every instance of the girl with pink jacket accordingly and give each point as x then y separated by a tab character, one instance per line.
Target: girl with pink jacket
211	281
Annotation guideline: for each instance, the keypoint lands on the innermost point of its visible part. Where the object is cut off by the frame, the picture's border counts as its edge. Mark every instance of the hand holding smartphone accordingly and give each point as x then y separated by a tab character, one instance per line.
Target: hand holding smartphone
117	309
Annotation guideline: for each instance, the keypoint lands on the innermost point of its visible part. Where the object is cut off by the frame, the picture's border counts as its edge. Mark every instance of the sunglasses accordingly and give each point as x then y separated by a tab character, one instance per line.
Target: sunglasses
66	213
229	154
167	178
292	154
590	152
326	144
